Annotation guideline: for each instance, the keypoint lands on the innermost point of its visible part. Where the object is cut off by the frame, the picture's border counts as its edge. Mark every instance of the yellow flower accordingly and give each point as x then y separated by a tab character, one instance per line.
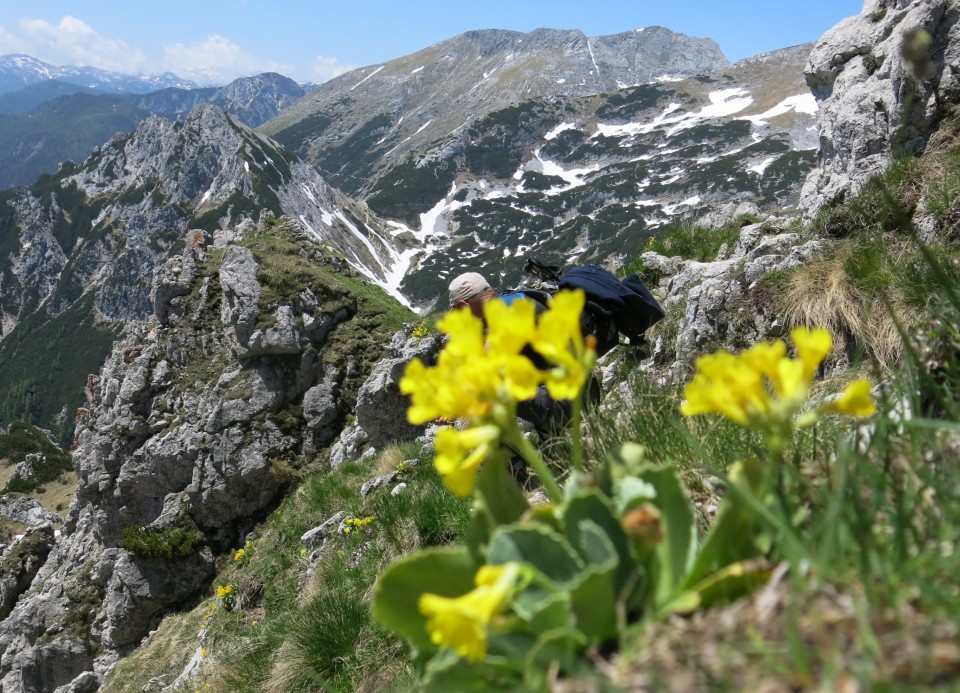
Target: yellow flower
239	555
303	552
558	338
460	623
761	386
459	454
510	327
812	347
203	651
224	590
473	375
855	400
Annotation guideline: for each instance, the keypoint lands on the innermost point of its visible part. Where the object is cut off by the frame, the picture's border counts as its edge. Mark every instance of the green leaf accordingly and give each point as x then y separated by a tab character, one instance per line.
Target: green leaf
593	506
500	501
734	532
594	597
502	496
675	552
632	491
546	551
446	672
541	608
554	647
443	571
732	582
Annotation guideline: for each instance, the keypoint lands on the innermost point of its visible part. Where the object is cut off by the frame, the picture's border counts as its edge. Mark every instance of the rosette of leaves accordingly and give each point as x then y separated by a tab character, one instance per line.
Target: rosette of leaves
621	548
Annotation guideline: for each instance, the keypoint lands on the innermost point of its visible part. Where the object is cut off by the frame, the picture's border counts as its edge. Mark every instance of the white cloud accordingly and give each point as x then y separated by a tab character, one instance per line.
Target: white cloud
216	59
325	68
10	43
74	42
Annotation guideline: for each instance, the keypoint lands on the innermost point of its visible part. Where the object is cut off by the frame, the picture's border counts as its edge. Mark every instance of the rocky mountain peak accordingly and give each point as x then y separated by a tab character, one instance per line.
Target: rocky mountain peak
403	105
876	100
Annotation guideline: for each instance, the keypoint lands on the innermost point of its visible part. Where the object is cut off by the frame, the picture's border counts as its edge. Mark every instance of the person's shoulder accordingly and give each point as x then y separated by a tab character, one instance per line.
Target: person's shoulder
511	296
538	298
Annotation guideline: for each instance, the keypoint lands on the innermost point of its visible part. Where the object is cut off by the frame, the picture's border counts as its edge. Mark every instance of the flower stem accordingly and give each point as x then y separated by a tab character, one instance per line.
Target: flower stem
576	440
515	438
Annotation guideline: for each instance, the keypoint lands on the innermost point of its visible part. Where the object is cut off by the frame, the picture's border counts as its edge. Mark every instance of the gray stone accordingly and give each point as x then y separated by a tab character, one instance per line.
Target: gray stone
872	103
377	483
25	510
314	537
381	408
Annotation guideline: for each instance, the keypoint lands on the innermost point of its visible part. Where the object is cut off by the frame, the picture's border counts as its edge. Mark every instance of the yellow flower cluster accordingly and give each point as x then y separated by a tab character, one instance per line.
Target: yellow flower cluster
224	591
240	555
461	623
480	377
421	330
763	386
352	525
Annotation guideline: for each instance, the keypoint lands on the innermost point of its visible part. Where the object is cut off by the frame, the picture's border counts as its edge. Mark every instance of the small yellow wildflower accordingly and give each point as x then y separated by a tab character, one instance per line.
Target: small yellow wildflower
460	453
303	551
461	623
420	330
855	400
203	652
224	590
764	388
240	554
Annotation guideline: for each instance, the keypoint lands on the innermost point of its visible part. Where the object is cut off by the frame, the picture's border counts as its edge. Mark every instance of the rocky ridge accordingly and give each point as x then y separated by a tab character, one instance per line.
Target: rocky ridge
194	427
82	247
402	106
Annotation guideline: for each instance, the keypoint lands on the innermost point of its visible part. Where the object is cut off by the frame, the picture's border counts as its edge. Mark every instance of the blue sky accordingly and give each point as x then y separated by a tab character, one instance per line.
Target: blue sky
313	40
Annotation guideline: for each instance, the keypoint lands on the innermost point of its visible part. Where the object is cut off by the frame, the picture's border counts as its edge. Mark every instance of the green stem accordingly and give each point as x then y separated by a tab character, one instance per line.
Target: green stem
576	440
515	439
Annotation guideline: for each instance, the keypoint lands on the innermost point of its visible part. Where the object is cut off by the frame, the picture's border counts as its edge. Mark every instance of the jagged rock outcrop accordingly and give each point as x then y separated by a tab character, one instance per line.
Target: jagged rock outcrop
881	90
20	562
194	428
83	247
381	409
25	510
719	303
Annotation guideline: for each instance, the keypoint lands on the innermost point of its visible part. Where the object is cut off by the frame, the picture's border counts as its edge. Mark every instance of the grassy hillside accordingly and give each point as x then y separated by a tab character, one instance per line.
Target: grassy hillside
856	574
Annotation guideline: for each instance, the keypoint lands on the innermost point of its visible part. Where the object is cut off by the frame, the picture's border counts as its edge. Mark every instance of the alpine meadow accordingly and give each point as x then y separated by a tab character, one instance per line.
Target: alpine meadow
691	423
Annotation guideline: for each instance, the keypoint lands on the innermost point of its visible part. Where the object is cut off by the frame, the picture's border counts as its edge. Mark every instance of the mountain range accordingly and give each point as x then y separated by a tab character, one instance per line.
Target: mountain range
19	71
471	154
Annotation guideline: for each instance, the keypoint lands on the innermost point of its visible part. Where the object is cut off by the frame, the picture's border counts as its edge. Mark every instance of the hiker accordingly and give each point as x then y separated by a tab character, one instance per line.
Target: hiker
548	416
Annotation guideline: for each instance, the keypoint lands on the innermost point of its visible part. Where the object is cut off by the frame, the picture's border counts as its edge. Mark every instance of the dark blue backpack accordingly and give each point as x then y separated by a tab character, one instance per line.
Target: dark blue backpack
614	306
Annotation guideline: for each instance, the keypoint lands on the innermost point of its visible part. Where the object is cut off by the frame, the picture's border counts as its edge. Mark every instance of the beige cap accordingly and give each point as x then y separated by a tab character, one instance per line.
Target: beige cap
466	286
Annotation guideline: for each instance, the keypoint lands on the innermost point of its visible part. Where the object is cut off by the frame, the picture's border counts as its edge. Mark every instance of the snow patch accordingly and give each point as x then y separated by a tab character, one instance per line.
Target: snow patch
762	166
308	193
417	70
801	103
367	77
557	130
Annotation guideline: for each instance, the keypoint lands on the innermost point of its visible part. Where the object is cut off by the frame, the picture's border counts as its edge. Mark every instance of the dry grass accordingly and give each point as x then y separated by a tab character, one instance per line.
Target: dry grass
56	495
824	294
819	637
165	654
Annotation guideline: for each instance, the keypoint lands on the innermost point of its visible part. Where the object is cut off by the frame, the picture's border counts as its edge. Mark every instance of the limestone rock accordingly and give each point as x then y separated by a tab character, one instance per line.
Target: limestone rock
716	297
873	102
26	510
381	408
